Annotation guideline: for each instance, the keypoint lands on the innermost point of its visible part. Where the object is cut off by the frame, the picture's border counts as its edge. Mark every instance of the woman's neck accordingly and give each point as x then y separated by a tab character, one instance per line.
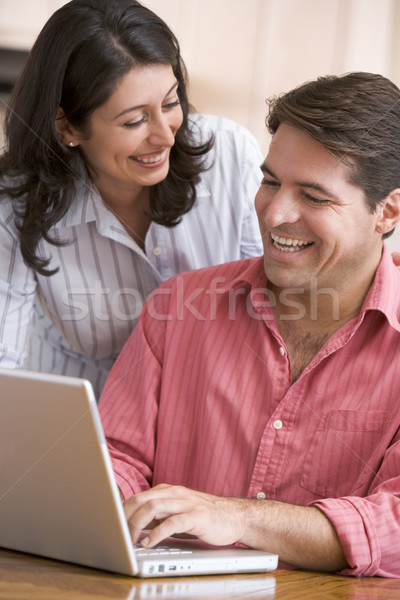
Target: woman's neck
131	207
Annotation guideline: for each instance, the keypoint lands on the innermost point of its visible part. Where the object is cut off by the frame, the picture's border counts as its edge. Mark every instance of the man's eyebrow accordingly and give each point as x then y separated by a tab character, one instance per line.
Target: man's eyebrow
267	171
307	185
139	106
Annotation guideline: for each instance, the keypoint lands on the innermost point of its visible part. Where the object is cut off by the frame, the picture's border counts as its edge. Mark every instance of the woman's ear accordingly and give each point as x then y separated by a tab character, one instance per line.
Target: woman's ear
66	132
389	212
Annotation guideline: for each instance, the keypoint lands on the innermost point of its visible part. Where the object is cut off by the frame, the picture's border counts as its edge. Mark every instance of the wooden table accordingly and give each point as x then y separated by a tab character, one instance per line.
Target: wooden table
25	577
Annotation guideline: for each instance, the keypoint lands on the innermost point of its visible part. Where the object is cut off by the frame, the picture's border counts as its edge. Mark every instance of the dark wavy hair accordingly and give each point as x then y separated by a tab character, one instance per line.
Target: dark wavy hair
79	57
356	117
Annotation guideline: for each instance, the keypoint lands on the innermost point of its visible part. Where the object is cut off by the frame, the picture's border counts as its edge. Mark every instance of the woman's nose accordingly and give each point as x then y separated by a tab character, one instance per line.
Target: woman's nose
162	131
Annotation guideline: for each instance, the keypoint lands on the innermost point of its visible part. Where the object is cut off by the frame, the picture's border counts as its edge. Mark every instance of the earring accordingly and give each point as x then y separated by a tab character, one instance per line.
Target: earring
71	144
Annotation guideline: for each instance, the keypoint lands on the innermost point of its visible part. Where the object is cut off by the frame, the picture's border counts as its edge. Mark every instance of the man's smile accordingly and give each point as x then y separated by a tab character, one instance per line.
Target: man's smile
289	244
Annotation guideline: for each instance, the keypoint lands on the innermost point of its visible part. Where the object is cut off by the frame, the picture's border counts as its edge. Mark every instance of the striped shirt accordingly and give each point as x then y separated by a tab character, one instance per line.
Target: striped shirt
201	396
80	317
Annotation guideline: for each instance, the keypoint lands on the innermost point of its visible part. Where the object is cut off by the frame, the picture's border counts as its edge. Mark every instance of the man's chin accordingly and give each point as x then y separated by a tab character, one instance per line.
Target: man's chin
284	279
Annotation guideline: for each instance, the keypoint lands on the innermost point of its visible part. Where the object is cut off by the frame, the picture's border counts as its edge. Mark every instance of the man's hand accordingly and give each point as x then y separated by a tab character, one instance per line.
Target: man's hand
302	535
171	510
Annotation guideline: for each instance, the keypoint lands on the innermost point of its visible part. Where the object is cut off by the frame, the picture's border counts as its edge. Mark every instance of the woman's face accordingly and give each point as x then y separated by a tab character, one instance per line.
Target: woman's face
133	132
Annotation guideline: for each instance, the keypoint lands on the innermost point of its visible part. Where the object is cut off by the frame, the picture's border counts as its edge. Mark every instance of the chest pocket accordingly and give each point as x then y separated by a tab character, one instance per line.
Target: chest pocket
345	452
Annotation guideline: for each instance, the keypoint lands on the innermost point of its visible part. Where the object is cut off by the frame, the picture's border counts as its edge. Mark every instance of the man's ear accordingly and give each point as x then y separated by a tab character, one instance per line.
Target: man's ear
389	212
66	132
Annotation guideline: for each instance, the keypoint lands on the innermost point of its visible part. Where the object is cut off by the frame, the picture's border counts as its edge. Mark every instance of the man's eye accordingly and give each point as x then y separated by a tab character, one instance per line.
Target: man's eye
269	183
319	201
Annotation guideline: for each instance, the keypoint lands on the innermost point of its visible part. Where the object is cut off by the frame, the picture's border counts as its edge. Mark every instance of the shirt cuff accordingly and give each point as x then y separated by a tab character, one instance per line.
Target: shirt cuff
353	533
126	486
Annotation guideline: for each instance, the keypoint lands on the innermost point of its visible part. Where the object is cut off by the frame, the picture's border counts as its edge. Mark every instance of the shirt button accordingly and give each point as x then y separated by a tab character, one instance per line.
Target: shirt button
157	250
261	496
282	351
278	424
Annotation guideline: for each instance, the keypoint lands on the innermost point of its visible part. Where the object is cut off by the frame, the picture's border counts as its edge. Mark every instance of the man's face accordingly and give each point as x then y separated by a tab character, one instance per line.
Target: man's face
315	224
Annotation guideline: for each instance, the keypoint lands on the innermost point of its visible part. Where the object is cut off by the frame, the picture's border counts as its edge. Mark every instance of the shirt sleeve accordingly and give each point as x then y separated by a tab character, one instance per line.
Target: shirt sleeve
369	528
228	189
134	386
250	159
17	293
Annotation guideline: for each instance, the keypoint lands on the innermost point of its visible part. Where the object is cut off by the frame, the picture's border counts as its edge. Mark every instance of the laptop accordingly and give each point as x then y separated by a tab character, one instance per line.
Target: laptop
58	494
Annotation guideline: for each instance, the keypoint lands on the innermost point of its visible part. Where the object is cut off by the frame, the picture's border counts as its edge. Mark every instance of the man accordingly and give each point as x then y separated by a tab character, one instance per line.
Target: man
260	398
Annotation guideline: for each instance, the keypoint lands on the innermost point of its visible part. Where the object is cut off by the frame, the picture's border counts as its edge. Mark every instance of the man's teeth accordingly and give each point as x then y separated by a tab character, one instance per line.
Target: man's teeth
152	159
289	244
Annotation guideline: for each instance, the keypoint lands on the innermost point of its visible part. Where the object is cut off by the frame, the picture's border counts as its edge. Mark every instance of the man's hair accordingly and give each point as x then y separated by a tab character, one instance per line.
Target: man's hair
356	117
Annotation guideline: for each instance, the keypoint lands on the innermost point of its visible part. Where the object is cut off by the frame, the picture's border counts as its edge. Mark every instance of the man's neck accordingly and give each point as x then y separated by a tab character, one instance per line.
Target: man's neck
306	321
321	308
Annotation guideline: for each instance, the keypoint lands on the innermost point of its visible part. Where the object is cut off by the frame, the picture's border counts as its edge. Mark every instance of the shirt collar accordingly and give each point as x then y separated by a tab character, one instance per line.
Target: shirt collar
254	280
384	294
88	206
85	206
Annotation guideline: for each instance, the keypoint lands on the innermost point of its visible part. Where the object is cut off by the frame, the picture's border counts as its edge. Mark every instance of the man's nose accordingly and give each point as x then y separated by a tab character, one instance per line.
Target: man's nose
283	207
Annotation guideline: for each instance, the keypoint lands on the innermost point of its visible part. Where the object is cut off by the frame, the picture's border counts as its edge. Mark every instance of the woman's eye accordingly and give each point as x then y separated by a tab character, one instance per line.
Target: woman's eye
134	124
172	104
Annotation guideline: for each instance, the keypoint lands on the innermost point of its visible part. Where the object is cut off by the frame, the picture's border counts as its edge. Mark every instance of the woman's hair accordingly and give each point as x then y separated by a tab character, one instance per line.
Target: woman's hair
357	118
79	57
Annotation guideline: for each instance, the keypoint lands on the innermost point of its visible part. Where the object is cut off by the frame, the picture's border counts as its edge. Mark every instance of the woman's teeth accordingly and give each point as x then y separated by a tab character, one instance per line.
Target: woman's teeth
289	244
151	159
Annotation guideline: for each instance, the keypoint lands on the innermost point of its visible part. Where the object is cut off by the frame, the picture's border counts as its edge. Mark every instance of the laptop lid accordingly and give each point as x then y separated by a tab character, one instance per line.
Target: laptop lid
58	495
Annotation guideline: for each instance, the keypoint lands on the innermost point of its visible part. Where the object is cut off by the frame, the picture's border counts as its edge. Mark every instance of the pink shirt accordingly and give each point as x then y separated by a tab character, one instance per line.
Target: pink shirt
201	396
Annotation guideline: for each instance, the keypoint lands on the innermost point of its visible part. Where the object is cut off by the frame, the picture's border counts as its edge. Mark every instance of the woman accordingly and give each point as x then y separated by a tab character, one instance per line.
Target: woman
109	185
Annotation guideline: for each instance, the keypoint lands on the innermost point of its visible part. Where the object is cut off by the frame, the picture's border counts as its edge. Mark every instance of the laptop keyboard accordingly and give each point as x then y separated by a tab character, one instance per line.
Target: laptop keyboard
160	551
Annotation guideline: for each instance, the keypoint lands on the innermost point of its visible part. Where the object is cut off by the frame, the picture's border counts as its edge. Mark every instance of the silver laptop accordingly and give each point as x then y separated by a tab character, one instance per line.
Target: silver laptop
58	495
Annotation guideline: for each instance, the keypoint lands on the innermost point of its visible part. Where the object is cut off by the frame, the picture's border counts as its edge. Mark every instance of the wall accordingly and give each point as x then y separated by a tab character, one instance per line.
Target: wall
239	52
